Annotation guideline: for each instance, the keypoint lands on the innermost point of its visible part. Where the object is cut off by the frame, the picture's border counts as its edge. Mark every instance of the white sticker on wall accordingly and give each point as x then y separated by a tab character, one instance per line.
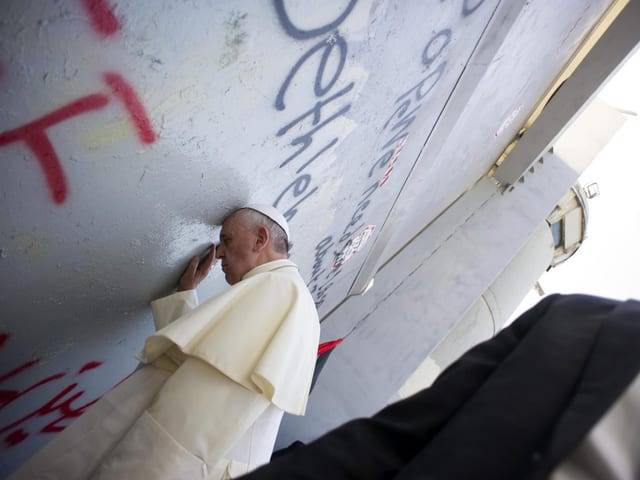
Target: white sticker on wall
353	246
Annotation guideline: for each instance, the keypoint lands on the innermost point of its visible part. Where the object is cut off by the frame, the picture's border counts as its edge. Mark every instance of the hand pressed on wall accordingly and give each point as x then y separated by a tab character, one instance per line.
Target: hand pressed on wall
197	270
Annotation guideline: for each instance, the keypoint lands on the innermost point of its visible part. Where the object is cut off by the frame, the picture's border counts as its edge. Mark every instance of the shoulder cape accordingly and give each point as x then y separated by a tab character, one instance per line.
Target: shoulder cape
262	333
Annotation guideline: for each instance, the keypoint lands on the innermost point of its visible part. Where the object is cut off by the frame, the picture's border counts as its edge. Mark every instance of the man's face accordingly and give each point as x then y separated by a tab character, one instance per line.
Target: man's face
236	249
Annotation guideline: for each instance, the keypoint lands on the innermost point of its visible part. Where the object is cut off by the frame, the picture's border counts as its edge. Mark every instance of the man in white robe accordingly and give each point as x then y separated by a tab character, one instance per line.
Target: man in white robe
217	377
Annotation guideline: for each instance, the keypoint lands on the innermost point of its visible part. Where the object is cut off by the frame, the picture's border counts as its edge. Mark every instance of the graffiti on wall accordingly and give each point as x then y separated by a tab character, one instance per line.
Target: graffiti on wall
353	246
61	408
331	44
34	133
311	132
103	20
394	132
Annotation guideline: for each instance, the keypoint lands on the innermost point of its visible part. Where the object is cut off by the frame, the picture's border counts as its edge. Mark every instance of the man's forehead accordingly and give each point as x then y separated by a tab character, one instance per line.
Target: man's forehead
232	222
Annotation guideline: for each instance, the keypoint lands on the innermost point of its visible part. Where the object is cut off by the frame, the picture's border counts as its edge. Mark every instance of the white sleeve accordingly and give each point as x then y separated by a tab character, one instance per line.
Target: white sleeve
167	309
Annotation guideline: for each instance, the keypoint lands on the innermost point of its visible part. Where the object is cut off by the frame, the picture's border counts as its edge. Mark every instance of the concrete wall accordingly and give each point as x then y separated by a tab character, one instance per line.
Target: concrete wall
421	296
489	313
129	129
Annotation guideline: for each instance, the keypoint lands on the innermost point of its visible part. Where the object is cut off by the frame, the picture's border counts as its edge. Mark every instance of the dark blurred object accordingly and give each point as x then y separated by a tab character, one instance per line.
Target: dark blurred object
513	407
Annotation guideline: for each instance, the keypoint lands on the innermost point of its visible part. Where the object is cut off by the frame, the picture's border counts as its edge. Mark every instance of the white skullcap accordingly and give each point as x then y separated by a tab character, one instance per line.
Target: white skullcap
272	213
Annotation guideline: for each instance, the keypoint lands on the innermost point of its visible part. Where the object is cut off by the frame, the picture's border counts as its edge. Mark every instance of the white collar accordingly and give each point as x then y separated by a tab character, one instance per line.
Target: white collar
269	267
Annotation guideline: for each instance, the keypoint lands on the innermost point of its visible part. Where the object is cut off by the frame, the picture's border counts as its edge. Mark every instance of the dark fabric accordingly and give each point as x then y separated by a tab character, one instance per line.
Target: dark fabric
287	450
513	407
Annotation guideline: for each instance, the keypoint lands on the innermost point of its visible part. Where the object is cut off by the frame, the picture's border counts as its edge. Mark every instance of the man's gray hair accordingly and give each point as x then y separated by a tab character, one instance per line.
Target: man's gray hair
278	236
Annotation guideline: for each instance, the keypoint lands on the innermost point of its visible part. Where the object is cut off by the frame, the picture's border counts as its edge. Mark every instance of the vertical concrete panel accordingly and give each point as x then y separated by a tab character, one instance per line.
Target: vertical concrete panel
532	50
422	295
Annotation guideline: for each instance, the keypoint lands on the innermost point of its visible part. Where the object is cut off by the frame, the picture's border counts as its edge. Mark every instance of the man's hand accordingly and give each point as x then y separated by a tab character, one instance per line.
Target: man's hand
197	270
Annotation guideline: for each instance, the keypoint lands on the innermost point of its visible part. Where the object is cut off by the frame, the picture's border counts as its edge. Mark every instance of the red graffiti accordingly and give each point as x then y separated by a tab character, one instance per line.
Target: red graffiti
89	366
394	159
8	396
137	113
17	370
60	404
16	437
34	136
102	18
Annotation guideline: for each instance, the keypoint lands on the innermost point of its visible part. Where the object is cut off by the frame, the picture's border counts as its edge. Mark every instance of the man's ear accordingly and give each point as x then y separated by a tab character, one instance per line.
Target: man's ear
262	237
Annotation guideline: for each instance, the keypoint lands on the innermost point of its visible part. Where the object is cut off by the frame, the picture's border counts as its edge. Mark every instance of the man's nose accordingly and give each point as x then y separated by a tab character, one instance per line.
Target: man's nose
219	251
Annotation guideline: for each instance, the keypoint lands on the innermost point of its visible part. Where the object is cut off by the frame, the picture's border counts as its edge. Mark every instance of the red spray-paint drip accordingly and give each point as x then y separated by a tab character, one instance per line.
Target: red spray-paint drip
102	18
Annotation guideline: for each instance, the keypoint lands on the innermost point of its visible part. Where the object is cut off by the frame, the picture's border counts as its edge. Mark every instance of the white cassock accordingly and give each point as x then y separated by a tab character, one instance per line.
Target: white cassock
208	403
